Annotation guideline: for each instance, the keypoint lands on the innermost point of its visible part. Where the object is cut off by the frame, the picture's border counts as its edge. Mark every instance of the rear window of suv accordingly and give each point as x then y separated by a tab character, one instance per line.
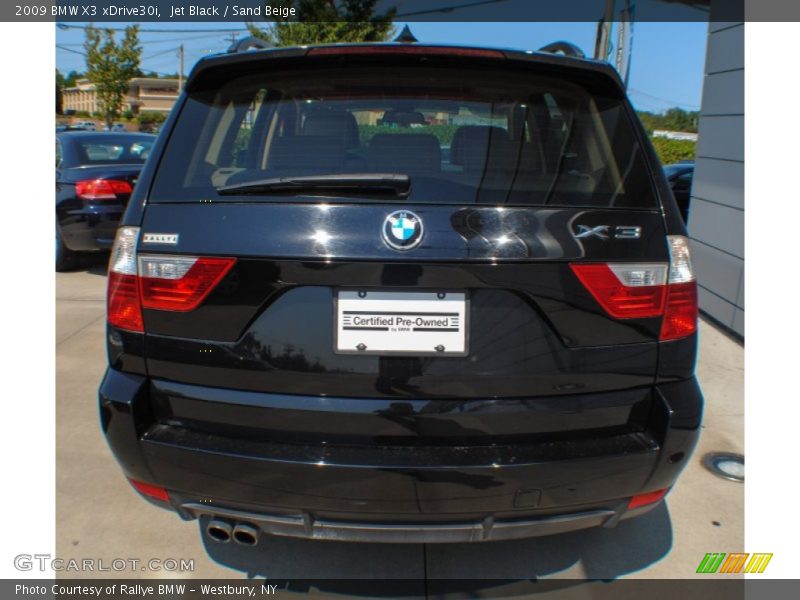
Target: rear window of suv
462	136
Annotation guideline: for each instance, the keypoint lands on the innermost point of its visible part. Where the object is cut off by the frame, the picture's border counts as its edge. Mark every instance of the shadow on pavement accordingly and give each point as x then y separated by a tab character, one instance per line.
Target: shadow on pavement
596	553
510	569
94	263
98	269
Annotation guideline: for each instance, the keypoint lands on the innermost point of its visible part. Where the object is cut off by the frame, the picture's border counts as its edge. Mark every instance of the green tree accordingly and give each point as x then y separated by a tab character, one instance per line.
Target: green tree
672	151
59	93
677	119
71	78
649	120
110	66
329	22
149	120
673	119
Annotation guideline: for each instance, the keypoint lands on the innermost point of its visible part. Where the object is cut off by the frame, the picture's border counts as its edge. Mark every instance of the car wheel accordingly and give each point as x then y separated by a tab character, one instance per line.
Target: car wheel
65	258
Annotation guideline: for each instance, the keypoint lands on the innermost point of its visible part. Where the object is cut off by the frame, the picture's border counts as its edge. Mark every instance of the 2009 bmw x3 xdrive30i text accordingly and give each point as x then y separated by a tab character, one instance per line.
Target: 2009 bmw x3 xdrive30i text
401	293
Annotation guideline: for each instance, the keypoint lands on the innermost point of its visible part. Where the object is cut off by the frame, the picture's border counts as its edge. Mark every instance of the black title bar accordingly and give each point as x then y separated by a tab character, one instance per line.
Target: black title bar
237	11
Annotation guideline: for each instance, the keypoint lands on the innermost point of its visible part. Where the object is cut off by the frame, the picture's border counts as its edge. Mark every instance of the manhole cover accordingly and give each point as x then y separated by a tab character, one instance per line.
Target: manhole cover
726	465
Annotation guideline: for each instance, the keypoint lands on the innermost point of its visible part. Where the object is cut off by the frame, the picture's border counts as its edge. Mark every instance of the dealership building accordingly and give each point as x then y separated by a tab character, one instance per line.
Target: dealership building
716	219
144	94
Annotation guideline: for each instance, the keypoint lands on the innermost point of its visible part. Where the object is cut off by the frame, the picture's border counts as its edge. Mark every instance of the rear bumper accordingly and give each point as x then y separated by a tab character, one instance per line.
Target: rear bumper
91	229
485	530
395	493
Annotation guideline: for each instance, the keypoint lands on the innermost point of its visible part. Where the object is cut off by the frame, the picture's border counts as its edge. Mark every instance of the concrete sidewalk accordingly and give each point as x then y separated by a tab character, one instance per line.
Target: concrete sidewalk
99	516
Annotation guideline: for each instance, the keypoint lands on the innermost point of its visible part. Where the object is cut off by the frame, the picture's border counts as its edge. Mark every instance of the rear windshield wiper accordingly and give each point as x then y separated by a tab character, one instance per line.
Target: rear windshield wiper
394	184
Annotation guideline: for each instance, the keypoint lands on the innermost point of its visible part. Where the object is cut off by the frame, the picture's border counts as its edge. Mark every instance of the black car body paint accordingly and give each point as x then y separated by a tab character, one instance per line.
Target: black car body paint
557	416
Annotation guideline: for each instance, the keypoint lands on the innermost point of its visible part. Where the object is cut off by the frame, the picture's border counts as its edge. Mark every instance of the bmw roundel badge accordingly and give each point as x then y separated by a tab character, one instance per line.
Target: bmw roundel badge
402	230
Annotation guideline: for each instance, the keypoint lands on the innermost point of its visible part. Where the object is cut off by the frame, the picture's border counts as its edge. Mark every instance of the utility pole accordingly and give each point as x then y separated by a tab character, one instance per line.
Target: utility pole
232	39
604	32
602	46
622	59
180	70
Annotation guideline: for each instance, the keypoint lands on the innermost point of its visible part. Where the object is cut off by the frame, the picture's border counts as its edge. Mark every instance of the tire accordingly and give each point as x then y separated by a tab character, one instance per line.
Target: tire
65	258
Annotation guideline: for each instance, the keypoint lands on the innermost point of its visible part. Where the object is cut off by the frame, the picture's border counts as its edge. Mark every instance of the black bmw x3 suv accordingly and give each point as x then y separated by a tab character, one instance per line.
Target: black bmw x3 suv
401	293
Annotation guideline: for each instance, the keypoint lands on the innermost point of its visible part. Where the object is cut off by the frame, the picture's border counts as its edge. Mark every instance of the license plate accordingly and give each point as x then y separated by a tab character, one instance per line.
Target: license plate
418	323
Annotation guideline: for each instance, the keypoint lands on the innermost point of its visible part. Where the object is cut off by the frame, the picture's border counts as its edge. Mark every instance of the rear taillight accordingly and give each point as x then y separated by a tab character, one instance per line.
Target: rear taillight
124	306
101	189
646	290
179	283
626	291
680	312
158	282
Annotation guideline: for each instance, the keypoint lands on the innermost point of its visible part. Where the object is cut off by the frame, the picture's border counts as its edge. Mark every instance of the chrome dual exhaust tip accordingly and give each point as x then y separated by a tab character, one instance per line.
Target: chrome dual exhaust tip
245	534
223	531
219	531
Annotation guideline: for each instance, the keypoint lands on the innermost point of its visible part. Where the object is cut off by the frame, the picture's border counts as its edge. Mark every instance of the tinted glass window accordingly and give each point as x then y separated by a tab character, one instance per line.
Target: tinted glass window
110	149
463	137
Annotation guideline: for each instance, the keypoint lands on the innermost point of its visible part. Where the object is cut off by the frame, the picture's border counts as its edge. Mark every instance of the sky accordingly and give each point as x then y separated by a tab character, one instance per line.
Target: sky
666	65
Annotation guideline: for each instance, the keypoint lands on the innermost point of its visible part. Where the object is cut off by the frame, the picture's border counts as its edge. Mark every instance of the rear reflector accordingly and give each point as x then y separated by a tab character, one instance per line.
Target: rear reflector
646	290
179	283
406	49
680	313
148	489
648	498
101	189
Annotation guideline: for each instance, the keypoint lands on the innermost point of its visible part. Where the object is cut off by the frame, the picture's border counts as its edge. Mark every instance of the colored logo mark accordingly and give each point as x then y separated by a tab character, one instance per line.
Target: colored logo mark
734	562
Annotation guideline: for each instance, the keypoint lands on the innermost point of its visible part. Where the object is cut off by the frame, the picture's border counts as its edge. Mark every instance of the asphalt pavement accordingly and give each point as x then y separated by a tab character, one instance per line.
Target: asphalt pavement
100	518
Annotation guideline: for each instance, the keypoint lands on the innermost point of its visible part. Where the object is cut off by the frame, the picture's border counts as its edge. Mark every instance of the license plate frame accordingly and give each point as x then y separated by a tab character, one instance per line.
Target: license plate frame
455	304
